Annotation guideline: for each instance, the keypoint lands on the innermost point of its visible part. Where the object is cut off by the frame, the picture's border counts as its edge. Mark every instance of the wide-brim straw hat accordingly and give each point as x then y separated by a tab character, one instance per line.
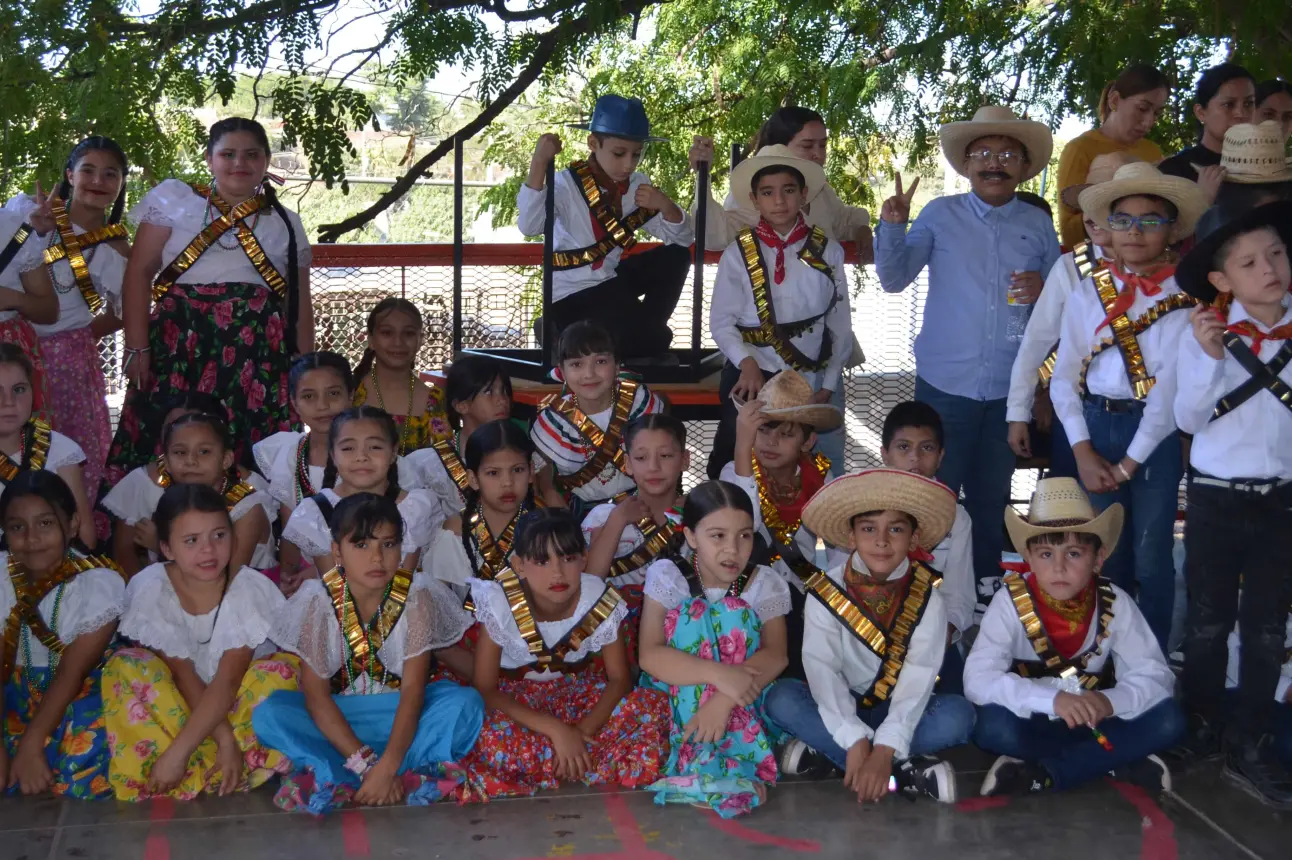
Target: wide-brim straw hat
1102	169
1253	154
1059	506
787	396
778	155
1217	226
1142	178
830	511
998	121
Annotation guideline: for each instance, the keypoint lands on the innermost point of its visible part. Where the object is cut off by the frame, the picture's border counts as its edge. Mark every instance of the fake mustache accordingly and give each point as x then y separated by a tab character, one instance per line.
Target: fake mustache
993	174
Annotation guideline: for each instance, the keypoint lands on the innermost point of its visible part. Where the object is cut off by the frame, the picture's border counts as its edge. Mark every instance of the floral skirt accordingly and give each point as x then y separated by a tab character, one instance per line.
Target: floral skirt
510	760
79	402
78	751
724	775
449	724
227	340
20	333
144	712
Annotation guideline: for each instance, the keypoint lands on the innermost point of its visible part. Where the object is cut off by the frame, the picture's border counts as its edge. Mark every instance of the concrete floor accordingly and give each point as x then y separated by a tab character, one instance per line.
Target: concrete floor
1204	820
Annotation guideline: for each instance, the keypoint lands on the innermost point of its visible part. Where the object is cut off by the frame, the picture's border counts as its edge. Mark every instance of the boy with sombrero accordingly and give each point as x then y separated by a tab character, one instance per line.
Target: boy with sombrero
875	629
601	203
1234	396
1115	374
775	465
1257	168
1042	668
780	298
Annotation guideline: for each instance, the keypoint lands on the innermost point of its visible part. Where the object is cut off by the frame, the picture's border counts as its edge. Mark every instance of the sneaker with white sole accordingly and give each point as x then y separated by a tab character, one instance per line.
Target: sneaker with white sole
799	759
1015	776
926	776
1151	774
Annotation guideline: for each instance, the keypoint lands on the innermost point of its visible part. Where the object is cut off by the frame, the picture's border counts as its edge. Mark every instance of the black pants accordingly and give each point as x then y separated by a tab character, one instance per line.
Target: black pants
724	439
1234	538
635	304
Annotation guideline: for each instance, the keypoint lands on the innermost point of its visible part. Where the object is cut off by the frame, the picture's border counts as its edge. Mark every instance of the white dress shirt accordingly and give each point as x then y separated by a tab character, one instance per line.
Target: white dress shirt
953	558
1252	441
804	293
573	229
1107	375
1232	671
837	665
1143	677
839	220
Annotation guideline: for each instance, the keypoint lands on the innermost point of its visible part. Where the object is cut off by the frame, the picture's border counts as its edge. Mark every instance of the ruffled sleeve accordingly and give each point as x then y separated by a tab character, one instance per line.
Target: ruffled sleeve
447	561
63	452
422	518
665	584
307	529
425	470
493	611
21	204
154	617
276	460
172	203
30	256
135	498
768	594
8	599
307	627
94	598
251	501
432	619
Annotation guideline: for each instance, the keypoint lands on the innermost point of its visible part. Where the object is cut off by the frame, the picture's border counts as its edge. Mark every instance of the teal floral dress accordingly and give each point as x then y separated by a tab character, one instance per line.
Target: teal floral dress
725	627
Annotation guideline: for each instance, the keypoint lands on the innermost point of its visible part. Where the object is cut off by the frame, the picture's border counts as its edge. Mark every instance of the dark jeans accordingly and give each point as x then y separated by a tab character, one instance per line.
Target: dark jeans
794	635
1063	463
951	677
1232	536
1142	563
979	461
1283	732
1073	756
724	439
635	304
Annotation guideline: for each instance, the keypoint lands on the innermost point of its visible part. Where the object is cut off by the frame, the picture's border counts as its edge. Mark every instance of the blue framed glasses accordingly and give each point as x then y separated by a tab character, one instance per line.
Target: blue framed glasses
1120	222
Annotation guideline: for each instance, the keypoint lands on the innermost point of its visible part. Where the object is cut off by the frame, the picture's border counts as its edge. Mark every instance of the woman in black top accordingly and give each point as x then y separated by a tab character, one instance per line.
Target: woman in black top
1225	96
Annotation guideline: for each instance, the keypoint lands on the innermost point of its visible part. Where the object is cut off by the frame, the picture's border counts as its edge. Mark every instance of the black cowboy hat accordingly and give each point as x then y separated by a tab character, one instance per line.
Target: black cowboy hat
1217	226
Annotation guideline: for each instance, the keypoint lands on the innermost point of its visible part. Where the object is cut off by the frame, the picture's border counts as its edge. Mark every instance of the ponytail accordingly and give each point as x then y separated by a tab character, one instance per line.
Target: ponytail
293	271
1104	110
364	367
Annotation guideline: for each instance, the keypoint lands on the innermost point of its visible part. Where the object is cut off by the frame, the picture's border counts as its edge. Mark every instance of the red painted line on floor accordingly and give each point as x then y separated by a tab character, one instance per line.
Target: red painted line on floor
1157	835
157	846
731	827
354	834
161	809
976	804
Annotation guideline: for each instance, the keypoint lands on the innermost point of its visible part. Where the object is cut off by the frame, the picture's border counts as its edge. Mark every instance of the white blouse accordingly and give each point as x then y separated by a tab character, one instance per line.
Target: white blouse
276	460
494	612
766	593
448	562
629	540
308	529
173	204
307	626
155	619
62	452
90	600
30	256
427	470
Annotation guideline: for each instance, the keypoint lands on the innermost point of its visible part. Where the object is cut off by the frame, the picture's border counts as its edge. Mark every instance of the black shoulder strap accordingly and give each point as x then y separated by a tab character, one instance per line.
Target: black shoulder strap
325	507
11	250
1262	376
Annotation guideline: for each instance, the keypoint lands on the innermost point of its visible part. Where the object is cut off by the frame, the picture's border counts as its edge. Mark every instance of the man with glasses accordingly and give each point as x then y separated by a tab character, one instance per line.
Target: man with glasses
986	252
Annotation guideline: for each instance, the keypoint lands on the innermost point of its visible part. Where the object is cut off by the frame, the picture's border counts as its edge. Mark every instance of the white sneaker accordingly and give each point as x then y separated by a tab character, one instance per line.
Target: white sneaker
927	776
799	759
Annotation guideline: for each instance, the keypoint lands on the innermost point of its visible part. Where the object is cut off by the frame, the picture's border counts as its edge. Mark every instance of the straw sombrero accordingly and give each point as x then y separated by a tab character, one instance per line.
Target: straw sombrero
1253	154
742	175
995	120
1217	226
1059	505
787	396
829	512
1102	169
1142	178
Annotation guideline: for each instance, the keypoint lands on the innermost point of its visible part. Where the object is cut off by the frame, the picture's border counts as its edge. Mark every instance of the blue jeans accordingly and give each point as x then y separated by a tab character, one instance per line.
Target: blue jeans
947	721
1143	563
1063	463
951	677
1073	756
832	444
979	461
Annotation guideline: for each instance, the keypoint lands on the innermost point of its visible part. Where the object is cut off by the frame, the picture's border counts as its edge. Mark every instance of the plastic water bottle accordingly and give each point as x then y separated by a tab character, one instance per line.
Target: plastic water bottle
1018	316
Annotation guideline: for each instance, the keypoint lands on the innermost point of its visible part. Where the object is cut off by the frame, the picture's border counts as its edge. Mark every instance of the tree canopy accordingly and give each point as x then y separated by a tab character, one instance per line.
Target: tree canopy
885	73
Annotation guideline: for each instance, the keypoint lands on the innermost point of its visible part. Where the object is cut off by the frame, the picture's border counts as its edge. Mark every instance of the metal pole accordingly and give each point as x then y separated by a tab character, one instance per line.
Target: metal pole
697	281
457	245
737	155
549	227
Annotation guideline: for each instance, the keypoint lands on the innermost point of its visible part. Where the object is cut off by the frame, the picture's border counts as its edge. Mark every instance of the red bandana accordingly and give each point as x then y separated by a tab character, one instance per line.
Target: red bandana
812	480
1150	285
613	193
1247	328
1066	622
768	236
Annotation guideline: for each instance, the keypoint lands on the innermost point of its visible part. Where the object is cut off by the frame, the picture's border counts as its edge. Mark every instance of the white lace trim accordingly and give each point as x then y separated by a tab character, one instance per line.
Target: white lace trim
446	624
665	584
62	452
134	498
426	471
249	503
493	611
307	627
307	529
90	623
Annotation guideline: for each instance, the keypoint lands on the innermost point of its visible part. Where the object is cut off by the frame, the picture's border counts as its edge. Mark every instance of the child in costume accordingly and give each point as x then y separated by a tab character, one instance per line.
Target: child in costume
713	634
875	634
366	726
60	608
580	430
780	299
555	712
1069	680
197	451
27	289
601	203
178	706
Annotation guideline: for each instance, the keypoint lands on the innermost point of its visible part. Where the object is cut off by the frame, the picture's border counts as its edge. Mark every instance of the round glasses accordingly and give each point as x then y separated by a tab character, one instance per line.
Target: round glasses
1005	159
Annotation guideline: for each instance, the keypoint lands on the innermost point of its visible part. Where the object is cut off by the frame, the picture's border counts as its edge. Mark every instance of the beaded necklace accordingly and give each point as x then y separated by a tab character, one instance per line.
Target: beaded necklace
348	605
206	220
54	655
381	404
304	487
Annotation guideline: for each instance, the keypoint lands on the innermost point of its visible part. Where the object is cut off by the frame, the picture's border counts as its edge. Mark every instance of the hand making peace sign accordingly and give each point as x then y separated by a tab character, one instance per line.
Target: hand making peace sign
897	209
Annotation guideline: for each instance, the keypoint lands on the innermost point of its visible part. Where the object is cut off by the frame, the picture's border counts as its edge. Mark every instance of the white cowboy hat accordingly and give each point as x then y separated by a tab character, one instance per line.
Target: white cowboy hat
993	121
1143	178
1102	169
742	175
1255	153
830	511
787	396
1059	505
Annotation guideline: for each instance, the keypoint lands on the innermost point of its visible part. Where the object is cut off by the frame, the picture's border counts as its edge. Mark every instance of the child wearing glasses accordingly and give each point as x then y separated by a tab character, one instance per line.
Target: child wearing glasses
1115	375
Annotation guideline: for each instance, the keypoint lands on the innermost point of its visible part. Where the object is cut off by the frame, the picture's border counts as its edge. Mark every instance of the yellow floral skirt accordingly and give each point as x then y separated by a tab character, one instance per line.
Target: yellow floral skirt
144	712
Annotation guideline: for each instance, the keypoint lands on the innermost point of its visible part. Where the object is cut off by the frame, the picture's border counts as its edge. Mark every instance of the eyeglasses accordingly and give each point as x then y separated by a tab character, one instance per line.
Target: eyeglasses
1121	223
1006	159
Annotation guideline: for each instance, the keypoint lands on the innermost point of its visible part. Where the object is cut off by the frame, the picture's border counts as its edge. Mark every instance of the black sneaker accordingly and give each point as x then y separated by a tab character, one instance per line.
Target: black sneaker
1014	776
1202	743
1257	770
799	759
1150	774
926	776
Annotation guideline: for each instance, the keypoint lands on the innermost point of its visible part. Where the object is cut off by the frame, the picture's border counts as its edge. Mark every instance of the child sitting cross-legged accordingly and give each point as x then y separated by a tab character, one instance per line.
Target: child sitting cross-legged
713	632
1068	677
874	637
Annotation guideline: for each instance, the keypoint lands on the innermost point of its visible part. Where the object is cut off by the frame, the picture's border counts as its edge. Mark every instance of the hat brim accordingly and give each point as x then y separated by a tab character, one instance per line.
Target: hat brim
742	176
583	126
1107	527
956	137
1192	271
1284	175
820	416
1070	195
829	513
1189	200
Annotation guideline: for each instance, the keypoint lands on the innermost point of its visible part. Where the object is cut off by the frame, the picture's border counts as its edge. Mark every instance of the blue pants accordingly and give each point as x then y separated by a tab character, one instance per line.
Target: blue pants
1283	732
951	677
1143	563
832	444
979	461
947	721
1073	756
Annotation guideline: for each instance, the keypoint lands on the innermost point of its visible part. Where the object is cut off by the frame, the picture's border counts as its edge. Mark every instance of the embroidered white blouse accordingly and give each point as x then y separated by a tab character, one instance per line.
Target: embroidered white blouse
30	256
309	530
629	540
276	459
766	593
62	452
427	470
91	599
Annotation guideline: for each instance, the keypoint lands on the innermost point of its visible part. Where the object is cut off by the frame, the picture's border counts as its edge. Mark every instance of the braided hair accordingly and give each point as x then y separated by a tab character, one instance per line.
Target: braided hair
388	305
97	143
500	435
389	429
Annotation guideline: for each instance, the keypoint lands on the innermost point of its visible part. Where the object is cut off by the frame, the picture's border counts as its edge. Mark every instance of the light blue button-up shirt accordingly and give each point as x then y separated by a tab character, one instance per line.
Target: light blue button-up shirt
972	249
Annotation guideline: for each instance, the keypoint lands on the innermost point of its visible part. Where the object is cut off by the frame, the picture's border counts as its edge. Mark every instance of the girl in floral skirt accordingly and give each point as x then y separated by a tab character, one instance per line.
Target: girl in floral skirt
178	707
554	713
366	726
713	631
196	451
60	609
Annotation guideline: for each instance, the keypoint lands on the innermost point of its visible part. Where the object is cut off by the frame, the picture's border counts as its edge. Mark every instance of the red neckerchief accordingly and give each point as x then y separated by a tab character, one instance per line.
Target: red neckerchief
882	600
1066	622
920	554
1247	328
768	236
613	194
1132	283
812	480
